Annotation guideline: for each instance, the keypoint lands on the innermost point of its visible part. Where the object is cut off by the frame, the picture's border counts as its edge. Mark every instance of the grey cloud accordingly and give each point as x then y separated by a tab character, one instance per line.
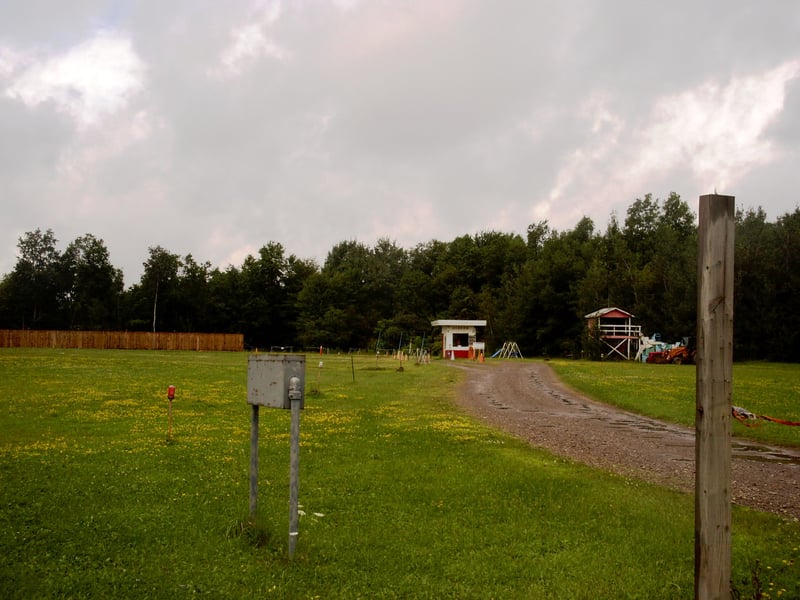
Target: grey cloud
456	116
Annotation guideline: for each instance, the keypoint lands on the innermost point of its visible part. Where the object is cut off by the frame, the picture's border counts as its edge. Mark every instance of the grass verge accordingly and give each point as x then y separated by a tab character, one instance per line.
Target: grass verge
668	392
403	496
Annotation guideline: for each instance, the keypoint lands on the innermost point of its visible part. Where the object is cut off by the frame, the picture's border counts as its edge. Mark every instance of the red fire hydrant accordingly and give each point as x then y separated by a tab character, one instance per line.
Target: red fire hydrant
170	397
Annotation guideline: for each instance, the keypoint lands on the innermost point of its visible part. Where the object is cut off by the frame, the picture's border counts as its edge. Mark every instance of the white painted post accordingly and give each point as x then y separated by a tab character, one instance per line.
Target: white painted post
714	398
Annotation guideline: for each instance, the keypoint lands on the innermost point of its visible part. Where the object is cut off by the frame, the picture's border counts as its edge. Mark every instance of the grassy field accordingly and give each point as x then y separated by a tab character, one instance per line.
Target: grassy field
668	392
403	496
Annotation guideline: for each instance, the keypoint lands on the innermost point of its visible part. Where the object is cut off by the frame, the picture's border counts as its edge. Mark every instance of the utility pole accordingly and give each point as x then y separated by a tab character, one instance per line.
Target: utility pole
714	398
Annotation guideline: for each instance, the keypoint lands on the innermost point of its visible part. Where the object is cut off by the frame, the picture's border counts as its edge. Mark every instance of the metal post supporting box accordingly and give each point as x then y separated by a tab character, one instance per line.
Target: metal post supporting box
268	378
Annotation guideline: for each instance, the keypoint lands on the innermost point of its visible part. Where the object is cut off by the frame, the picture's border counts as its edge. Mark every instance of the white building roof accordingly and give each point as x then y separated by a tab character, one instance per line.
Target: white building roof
458	323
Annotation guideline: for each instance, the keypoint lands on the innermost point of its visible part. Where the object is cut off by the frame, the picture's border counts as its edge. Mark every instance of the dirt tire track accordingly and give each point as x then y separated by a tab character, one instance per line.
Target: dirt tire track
528	401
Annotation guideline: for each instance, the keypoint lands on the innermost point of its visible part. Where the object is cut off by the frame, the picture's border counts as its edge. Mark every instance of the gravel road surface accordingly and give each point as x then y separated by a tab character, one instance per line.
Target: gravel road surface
527	400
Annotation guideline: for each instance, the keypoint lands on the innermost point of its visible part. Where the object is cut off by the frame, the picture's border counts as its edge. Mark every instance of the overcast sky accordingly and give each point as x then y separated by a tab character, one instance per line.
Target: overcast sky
213	128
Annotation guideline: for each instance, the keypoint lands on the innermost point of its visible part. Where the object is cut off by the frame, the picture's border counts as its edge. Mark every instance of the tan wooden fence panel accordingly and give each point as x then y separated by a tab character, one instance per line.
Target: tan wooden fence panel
121	340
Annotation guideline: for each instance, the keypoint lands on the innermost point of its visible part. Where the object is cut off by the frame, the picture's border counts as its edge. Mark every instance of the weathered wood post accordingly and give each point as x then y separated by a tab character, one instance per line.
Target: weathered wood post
712	534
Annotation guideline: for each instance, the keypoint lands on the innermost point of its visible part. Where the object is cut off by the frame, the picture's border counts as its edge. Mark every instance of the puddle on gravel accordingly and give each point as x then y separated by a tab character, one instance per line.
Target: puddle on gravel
639	425
764	454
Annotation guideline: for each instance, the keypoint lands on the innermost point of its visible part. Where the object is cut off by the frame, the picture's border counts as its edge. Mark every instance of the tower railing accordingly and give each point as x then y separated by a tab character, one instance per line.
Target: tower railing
620	331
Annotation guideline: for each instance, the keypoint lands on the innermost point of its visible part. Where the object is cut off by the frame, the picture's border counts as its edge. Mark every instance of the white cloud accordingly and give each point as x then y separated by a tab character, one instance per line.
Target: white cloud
89	82
717	130
10	60
228	243
250	42
214	128
345	5
82	160
581	165
407	221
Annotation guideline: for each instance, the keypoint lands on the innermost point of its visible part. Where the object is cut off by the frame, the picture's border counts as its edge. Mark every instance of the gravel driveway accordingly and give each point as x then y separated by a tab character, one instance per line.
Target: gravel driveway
527	400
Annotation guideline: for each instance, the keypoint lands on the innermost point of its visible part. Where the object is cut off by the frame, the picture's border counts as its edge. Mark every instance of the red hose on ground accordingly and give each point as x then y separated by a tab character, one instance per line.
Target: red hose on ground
743	416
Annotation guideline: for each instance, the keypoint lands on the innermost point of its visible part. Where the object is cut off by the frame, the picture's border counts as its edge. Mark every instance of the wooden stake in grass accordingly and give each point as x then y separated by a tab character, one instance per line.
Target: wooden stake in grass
170	397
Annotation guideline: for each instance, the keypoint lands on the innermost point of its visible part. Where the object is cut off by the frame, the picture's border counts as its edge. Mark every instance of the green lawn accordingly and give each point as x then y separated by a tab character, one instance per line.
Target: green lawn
668	392
403	496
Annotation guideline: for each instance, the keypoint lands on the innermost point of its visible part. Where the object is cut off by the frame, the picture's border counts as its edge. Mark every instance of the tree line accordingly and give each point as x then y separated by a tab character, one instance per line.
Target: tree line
533	290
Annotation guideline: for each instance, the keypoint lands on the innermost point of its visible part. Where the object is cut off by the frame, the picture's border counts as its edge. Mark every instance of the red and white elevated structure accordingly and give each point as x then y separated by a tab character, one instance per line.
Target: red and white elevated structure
614	327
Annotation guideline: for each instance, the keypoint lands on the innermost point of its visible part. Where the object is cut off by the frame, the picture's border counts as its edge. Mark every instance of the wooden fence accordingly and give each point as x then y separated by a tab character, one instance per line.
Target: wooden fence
121	340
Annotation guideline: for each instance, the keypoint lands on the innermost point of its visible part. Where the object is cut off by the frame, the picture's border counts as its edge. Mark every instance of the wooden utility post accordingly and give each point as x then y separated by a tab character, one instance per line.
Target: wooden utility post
712	534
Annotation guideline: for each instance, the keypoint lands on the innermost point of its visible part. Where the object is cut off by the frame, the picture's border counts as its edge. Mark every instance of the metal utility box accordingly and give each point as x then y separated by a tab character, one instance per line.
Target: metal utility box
268	378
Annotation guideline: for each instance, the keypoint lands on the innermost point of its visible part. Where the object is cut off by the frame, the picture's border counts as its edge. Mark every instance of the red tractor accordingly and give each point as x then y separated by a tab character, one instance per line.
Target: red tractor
677	355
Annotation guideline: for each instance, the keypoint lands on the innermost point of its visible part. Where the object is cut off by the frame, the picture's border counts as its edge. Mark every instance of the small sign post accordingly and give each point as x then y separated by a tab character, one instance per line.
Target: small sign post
295	399
277	381
170	397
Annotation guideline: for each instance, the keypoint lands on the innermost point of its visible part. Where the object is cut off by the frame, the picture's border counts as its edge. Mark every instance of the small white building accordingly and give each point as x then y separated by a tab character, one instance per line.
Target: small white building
460	338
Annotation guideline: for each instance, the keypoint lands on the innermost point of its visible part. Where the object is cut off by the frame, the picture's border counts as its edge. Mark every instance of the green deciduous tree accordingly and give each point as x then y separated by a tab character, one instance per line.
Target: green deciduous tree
786	321
658	265
755	284
534	291
193	295
34	282
343	303
90	285
159	283
270	284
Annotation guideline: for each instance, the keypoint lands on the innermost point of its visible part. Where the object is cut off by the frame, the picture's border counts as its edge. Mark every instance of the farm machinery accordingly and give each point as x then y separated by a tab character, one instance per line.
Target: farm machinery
682	353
